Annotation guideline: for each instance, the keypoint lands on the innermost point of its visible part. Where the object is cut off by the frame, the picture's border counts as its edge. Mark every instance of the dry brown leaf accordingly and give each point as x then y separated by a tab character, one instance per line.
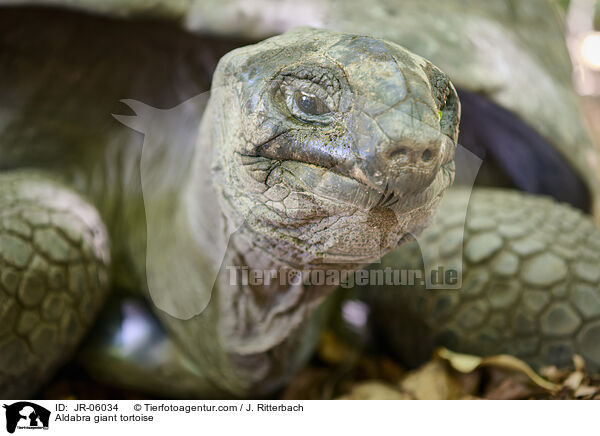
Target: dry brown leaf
432	381
468	363
579	363
586	391
470	382
553	374
573	381
464	363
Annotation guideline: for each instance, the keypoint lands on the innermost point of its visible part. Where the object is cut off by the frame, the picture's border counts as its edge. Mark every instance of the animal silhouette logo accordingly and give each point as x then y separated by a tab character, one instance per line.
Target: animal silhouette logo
26	415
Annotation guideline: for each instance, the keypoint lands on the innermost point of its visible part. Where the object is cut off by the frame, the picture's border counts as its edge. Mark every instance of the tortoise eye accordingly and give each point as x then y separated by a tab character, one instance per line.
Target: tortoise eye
309	104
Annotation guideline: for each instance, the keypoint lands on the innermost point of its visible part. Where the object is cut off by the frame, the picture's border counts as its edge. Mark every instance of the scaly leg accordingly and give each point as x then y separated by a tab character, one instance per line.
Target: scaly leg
53	277
531	283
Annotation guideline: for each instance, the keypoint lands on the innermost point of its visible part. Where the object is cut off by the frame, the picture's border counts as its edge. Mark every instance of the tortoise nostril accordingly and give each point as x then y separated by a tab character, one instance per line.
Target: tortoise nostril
427	155
402	151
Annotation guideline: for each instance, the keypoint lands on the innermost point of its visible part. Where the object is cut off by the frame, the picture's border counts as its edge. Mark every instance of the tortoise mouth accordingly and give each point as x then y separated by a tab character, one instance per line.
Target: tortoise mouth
346	190
310	215
355	191
379	174
332	185
314	177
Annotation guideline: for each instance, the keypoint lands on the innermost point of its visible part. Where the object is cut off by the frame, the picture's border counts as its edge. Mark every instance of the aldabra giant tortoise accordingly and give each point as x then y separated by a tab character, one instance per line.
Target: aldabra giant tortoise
319	149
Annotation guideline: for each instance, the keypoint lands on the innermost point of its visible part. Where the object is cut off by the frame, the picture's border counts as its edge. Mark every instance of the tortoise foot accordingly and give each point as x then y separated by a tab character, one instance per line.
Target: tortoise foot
530	283
53	278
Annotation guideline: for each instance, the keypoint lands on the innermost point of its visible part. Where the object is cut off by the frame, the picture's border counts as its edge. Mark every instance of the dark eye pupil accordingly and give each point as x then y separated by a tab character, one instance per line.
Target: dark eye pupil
307	104
310	105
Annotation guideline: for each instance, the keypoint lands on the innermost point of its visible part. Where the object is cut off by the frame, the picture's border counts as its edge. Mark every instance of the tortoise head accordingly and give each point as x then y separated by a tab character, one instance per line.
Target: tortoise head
330	147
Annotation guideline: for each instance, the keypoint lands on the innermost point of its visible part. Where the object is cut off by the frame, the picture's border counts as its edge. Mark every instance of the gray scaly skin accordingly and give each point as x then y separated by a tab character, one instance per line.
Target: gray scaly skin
530	283
278	181
288	206
54	260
